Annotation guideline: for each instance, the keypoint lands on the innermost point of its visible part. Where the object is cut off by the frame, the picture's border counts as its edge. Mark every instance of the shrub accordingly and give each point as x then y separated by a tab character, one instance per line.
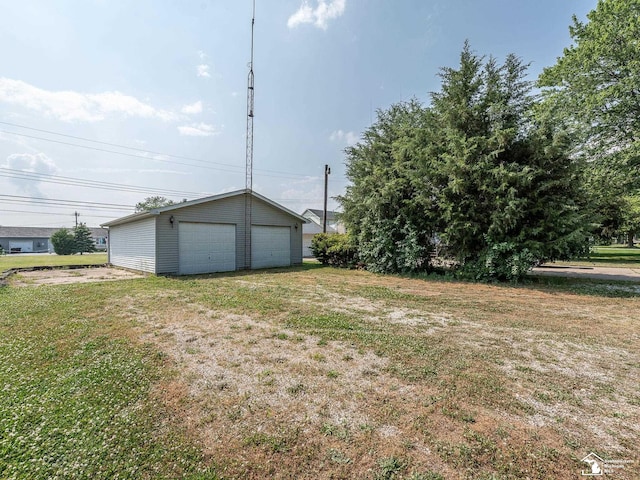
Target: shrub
336	249
500	262
63	242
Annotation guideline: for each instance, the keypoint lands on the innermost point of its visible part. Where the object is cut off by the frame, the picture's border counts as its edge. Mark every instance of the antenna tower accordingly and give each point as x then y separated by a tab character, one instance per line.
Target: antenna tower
249	158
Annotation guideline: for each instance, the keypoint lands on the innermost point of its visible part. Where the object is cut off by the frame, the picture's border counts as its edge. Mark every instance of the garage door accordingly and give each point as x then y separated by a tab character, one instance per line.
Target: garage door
206	248
270	246
21	247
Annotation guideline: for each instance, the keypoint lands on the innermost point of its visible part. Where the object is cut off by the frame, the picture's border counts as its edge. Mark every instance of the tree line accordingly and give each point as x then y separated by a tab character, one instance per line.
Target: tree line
497	173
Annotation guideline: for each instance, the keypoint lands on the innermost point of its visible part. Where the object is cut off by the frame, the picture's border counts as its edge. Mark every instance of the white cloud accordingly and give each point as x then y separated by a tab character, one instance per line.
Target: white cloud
70	106
193	108
306	193
319	16
349	138
198	130
203	70
27	162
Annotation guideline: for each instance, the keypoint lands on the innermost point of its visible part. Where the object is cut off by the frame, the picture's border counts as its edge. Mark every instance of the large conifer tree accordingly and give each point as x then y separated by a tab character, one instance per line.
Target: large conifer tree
475	171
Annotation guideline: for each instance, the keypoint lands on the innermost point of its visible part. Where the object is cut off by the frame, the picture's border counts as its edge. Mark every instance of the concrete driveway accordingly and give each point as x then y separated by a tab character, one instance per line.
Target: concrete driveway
599	273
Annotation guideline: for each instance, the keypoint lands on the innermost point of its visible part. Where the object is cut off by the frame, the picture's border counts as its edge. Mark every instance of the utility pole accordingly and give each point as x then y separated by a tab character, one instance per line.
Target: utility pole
327	171
76	215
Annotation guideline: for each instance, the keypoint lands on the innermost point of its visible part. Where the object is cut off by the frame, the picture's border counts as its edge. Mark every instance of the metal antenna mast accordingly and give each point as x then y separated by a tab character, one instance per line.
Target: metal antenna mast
249	160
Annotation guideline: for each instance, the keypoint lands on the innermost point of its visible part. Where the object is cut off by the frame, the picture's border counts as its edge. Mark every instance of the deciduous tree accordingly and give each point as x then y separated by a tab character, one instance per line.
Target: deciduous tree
594	92
150	203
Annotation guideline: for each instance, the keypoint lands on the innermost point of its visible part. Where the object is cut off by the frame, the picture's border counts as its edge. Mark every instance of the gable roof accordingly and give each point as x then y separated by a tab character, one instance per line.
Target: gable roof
41	232
213	198
331	216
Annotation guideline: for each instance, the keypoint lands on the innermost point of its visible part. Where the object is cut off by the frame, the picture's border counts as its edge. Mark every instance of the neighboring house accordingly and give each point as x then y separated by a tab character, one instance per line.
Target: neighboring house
315	225
38	239
207	235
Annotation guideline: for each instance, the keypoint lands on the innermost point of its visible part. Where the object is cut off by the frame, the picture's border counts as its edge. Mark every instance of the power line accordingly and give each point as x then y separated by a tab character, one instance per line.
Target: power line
51	213
22	200
105	143
69	201
79	182
274	173
104	150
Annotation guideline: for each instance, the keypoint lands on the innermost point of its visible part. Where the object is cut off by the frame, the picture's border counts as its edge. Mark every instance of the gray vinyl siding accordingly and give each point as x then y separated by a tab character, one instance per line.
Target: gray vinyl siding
265	214
133	245
228	210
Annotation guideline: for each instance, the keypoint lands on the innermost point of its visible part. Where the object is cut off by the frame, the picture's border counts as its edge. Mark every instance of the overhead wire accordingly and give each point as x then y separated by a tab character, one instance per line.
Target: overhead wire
51	213
79	182
269	173
94	184
20	199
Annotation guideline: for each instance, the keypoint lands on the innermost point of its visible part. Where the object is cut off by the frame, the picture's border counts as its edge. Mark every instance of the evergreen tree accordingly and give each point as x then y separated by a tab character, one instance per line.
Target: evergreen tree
63	242
508	185
387	209
476	170
82	240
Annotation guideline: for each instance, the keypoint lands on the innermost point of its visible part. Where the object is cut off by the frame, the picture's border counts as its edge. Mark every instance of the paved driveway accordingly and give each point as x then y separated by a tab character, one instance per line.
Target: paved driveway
600	273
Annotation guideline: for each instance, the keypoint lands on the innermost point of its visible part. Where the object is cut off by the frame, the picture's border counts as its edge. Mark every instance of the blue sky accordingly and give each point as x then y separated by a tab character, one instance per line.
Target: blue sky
167	79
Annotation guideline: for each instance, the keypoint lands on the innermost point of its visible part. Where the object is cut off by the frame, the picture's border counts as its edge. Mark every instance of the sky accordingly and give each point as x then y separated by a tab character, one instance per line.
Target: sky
106	102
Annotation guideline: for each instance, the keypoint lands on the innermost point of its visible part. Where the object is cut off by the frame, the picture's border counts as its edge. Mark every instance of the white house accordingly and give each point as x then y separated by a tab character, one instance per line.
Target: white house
207	235
314	225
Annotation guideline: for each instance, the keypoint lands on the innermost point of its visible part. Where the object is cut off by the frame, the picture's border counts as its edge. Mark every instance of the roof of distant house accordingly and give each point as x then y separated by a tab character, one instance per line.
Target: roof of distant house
331	216
41	232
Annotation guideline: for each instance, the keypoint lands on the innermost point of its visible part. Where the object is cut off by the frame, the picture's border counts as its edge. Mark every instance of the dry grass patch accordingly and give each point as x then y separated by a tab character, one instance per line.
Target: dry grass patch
320	373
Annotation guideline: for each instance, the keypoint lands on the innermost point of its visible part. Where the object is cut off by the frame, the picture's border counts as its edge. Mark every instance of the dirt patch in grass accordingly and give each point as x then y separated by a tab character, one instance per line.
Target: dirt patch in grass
67	276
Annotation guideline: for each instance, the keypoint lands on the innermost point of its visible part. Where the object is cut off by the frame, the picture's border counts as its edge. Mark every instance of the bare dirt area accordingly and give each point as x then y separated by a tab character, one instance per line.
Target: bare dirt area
60	276
323	375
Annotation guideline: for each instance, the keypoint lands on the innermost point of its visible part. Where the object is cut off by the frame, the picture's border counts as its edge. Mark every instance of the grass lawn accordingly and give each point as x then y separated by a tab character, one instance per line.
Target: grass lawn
24	261
314	372
609	256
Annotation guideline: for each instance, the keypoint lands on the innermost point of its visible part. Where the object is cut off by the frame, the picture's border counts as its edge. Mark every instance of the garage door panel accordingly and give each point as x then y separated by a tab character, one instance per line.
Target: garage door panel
21	246
270	246
206	247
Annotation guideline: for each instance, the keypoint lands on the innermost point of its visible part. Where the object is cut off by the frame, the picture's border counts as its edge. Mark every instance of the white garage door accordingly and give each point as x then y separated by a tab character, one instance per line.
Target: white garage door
206	248
270	246
21	247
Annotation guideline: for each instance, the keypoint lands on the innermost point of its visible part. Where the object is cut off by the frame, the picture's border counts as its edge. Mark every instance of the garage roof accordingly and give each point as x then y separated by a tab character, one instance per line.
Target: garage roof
177	206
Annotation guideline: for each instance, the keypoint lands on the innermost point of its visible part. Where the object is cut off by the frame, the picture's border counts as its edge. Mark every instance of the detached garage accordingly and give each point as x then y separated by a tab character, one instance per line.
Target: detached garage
207	235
